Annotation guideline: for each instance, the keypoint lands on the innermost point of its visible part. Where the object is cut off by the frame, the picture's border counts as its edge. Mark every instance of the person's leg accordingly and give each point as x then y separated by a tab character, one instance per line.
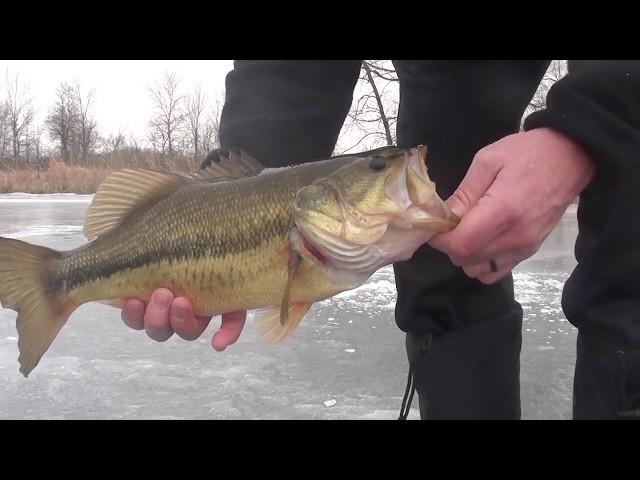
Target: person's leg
286	112
602	295
606	383
463	337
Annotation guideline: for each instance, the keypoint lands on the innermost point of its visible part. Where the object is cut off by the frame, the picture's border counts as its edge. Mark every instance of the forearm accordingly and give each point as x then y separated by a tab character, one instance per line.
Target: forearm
598	106
285	112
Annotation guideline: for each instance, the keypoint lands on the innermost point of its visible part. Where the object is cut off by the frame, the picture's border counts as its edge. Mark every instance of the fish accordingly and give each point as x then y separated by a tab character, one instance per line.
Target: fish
234	236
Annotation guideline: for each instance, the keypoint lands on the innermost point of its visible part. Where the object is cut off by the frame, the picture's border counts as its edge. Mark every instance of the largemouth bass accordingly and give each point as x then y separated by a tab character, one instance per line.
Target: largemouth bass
234	237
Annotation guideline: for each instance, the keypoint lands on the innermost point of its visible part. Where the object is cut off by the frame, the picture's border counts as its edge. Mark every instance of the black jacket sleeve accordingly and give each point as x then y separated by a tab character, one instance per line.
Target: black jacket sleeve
597	104
286	112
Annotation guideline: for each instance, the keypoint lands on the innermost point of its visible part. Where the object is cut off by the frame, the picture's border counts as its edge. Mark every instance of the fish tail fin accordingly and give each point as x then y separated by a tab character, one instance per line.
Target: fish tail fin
23	288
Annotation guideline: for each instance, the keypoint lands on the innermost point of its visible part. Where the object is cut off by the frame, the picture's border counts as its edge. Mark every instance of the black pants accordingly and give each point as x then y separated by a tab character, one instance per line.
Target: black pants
471	369
463	337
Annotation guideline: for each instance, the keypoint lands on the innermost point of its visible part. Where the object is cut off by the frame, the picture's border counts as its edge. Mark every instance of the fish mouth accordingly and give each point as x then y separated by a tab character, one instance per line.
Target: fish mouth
337	236
413	188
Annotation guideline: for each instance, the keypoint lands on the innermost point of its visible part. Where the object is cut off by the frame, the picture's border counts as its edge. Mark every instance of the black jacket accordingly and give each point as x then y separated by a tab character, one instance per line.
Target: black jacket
598	105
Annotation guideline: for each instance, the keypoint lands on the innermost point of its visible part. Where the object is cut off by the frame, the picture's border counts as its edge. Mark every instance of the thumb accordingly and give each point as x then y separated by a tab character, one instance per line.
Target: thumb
474	185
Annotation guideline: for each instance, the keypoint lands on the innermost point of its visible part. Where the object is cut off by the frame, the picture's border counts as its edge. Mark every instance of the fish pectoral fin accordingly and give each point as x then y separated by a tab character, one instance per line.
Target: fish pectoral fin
267	321
292	267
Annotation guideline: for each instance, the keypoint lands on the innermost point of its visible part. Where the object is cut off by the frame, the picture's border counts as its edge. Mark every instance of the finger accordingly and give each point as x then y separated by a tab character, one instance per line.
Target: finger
230	330
184	322
480	176
133	313
489	219
482	224
493	277
521	242
505	263
485	275
156	317
472	199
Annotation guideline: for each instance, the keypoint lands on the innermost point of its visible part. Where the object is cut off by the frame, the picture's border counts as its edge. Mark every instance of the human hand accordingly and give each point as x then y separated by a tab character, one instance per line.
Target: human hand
166	315
513	195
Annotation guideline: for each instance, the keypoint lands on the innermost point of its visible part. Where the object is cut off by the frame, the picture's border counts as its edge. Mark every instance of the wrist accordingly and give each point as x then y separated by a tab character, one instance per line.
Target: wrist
561	145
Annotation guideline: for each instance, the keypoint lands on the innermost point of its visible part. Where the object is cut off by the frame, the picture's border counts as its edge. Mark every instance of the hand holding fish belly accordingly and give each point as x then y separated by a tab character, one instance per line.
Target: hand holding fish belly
512	197
236	238
166	315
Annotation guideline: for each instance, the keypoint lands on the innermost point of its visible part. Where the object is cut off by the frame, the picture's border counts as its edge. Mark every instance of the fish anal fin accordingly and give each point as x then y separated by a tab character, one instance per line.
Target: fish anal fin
124	192
267	321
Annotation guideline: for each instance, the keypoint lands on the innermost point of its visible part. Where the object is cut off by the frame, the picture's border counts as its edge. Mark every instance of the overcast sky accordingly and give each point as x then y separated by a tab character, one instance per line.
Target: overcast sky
121	86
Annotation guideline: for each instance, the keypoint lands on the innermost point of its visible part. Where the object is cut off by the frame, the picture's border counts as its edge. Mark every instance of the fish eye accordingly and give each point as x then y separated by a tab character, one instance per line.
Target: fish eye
377	163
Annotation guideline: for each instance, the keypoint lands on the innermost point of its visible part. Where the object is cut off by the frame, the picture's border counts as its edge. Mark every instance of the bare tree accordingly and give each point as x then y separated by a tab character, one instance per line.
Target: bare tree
5	136
168	114
195	116
372	119
62	120
87	133
210	137
557	69
34	147
114	142
156	136
21	113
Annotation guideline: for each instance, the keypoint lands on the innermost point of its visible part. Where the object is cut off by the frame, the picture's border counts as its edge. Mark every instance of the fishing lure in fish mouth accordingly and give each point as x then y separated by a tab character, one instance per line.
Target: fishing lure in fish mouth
233	237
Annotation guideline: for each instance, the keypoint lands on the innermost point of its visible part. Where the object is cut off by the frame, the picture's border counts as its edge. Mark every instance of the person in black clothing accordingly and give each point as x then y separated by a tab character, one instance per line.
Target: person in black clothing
455	295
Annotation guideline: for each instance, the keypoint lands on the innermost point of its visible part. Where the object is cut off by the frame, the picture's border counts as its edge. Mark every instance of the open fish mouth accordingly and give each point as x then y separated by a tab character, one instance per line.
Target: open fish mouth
341	233
413	189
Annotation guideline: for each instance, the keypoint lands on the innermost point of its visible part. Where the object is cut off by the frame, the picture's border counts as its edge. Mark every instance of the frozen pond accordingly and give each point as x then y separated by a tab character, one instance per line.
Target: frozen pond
345	361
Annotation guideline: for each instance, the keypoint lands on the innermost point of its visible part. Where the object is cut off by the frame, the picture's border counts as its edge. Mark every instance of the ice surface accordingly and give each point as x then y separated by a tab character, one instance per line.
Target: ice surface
348	351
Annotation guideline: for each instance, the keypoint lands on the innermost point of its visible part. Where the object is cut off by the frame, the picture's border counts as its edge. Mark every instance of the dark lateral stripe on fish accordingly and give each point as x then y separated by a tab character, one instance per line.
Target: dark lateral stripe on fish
70	277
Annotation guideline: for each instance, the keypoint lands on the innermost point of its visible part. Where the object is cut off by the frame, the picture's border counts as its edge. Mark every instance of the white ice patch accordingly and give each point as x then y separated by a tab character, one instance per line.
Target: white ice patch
329	403
44	198
43	230
543	348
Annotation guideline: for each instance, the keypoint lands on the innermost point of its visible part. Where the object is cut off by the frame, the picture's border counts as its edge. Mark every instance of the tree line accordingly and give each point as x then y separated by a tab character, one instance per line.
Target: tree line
182	126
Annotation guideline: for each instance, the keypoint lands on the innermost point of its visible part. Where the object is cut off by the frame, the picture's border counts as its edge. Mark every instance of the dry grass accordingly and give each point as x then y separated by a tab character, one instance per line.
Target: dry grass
58	178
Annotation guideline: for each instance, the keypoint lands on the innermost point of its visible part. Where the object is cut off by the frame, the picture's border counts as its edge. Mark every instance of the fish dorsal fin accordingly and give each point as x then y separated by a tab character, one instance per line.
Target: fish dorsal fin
123	192
226	164
267	321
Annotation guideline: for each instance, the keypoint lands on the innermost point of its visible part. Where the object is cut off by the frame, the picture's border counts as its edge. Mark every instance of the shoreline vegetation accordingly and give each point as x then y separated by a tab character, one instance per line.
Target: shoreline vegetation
59	177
